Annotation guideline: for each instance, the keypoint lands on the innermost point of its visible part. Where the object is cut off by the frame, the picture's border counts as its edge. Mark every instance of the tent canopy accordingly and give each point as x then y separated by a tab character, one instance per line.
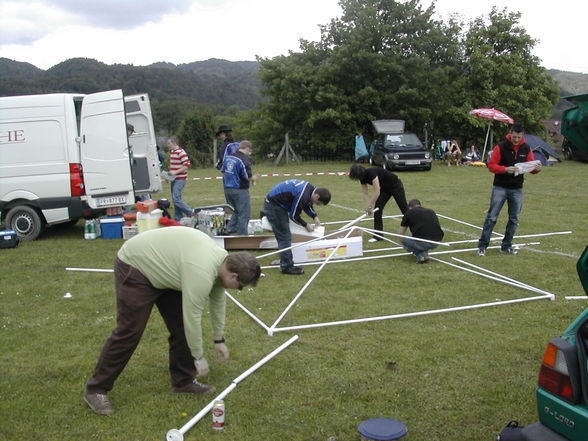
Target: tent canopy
539	145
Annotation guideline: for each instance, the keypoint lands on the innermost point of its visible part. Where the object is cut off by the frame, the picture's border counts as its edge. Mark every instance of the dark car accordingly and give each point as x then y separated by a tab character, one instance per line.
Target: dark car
394	149
562	392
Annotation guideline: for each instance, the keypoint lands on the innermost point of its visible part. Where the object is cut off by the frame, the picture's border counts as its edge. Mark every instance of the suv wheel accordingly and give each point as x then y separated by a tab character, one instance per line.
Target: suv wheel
26	221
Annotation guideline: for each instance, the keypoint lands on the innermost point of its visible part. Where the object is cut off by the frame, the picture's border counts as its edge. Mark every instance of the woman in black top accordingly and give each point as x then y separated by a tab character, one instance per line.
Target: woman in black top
386	184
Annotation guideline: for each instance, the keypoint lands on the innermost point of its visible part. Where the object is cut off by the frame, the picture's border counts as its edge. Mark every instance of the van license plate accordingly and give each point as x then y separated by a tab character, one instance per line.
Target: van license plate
113	200
413	162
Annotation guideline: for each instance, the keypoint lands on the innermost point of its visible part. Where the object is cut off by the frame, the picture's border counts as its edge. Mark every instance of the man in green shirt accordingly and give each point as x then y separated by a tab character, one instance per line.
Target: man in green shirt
177	269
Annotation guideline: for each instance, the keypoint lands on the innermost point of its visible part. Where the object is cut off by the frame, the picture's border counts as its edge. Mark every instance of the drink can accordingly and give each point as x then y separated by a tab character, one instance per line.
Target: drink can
218	415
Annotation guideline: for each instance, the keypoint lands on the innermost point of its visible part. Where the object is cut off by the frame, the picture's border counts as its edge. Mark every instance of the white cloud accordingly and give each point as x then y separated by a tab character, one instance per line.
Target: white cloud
46	32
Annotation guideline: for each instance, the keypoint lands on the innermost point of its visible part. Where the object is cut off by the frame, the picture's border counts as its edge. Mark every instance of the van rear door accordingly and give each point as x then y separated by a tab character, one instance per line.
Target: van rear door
104	150
144	159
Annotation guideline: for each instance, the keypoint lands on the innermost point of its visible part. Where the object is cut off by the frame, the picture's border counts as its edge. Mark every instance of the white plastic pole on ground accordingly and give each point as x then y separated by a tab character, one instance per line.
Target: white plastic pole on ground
178	434
465	223
356	220
249	313
307	284
410	314
532	288
383	256
370	230
498	279
525	236
395	216
92	270
576	297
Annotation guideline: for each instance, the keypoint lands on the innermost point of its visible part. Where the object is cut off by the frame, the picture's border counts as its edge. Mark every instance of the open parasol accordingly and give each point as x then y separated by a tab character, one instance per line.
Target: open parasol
493	115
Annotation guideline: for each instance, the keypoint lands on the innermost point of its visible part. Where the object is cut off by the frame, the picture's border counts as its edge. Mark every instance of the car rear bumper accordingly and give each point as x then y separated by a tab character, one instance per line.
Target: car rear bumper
540	432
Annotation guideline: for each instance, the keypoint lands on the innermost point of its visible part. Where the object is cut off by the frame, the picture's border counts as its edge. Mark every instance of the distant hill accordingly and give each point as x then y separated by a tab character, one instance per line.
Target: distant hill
570	83
217	83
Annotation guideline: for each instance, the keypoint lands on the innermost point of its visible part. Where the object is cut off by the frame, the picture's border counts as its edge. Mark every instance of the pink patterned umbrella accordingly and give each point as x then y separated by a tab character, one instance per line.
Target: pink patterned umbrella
493	115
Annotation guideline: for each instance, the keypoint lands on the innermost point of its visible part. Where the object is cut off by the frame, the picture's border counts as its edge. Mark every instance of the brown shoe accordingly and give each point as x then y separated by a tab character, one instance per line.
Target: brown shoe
195	387
99	403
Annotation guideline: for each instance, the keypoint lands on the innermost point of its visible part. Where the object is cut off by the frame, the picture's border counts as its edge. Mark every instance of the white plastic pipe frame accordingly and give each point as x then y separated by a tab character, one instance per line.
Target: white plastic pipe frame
178	434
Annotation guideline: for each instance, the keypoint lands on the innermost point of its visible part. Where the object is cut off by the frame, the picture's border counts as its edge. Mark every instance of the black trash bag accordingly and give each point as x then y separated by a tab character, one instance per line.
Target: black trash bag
512	432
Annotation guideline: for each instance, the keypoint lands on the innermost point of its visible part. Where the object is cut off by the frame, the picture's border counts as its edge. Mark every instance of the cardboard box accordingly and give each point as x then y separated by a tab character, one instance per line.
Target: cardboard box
351	246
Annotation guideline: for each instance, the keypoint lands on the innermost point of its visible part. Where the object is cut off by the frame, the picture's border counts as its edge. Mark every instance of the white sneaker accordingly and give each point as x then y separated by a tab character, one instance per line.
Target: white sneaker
373	239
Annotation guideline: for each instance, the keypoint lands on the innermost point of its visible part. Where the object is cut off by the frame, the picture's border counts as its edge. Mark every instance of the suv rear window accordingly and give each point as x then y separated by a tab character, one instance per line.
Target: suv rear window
402	140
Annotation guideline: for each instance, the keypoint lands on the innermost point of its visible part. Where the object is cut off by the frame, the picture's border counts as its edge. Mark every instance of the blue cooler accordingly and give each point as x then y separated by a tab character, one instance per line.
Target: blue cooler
112	227
8	239
382	429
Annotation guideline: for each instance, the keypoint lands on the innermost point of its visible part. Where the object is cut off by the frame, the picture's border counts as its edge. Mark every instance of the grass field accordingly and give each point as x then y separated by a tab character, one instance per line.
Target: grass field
453	376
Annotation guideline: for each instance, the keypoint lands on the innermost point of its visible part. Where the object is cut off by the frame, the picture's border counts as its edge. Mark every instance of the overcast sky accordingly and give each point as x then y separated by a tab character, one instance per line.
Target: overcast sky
141	32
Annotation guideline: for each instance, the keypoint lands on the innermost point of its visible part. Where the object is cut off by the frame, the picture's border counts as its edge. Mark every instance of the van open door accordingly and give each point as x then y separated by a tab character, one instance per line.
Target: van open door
144	160
104	150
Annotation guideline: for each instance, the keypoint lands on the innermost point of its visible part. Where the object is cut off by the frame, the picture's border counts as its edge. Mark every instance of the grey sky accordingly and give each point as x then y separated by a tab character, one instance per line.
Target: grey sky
141	32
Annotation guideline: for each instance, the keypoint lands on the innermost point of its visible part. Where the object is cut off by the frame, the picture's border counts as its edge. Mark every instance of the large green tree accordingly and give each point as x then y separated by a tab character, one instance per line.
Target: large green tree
393	59
380	59
502	71
196	137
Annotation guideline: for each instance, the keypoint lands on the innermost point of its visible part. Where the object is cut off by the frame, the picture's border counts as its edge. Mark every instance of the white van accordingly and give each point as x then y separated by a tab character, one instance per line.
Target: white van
67	156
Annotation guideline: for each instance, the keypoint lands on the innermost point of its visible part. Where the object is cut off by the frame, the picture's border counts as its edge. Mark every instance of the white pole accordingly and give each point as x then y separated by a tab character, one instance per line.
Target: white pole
463	223
486	140
498	279
92	270
178	435
249	313
576	297
356	220
307	284
369	230
525	236
530	287
358	259
410	314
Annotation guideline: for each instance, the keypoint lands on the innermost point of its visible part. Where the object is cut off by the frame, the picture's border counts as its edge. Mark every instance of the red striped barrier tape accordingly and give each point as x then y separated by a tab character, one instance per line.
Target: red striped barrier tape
270	175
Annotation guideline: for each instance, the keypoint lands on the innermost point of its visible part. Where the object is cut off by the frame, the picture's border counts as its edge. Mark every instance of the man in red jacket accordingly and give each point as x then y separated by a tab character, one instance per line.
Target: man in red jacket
508	186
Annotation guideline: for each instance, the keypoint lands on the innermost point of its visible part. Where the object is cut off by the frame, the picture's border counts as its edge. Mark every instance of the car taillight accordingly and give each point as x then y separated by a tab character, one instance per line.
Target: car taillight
559	371
76	180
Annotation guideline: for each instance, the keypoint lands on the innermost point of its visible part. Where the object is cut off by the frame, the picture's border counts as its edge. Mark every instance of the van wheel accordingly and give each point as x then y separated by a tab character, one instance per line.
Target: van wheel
26	221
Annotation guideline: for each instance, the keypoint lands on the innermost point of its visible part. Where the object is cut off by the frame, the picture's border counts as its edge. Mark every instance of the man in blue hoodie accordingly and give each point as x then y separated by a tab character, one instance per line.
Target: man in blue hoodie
286	201
238	176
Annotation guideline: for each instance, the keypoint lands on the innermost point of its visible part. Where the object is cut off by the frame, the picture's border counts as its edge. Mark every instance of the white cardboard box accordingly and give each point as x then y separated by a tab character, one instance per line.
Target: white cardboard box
321	249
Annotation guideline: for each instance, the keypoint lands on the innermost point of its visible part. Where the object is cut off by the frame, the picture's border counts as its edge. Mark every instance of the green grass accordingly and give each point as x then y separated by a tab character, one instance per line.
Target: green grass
453	376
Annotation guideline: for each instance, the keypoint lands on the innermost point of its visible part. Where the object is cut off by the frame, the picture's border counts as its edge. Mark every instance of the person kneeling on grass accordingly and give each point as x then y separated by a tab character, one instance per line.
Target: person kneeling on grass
177	269
424	224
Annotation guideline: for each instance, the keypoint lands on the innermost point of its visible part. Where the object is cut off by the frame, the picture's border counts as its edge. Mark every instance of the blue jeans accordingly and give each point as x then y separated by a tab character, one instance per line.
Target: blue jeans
238	198
279	219
417	247
180	207
500	195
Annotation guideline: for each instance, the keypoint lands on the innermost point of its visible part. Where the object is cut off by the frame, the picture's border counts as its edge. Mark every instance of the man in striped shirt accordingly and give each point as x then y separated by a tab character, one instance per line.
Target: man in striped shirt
179	163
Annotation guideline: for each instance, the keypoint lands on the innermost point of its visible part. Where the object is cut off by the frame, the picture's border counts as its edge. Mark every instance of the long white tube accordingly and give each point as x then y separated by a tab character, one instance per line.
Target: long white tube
249	313
525	236
354	221
91	270
532	288
383	256
178	435
410	314
403	236
307	284
465	223
498	279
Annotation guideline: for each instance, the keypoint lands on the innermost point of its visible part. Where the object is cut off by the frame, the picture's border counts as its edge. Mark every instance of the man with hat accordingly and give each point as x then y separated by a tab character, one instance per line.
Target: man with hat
225	134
